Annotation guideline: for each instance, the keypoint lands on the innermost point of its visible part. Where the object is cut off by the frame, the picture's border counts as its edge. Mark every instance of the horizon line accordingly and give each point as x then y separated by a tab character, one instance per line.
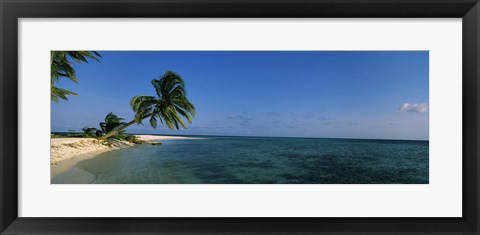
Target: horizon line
262	136
297	137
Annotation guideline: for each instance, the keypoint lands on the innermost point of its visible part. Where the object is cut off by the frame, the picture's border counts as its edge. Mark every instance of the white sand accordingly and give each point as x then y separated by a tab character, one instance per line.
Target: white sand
148	138
66	148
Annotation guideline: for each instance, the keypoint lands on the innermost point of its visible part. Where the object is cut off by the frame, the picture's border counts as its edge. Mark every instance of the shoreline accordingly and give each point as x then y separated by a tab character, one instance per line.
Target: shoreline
66	152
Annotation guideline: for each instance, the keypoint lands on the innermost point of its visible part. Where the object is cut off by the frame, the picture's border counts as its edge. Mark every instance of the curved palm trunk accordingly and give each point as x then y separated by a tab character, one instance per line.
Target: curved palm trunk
112	133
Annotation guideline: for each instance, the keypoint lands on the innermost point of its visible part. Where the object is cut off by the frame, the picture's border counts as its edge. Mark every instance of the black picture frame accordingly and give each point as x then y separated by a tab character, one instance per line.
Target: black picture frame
12	10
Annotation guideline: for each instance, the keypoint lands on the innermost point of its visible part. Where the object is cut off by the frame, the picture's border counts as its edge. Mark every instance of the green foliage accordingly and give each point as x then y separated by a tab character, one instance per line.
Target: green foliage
111	123
54	135
61	93
168	107
133	139
70	135
61	66
90	131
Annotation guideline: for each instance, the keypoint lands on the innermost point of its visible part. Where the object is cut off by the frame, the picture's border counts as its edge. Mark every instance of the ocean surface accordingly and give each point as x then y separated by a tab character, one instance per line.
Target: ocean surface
258	160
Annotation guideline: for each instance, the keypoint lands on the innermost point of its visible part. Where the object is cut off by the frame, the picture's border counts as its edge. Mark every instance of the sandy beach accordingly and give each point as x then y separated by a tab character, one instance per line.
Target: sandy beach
66	152
67	148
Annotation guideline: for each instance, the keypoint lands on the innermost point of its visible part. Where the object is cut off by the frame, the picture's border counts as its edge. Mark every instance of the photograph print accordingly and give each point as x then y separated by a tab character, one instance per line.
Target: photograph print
239	117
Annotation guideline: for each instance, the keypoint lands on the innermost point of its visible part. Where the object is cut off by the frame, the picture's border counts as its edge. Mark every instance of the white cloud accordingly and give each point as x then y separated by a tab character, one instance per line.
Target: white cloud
413	108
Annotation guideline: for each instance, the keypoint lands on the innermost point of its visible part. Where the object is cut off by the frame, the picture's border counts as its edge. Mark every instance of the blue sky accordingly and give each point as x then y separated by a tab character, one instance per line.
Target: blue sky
340	94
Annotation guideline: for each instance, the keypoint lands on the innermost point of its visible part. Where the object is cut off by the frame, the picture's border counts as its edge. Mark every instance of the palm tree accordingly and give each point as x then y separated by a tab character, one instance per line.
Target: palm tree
62	67
168	106
111	123
89	130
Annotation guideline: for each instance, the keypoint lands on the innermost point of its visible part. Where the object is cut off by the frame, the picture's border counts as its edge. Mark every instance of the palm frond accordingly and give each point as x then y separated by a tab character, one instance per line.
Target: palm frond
61	66
113	123
153	122
60	93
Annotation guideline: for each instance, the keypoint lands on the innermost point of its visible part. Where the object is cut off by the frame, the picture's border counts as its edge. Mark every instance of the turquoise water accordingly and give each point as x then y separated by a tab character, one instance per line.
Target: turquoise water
258	160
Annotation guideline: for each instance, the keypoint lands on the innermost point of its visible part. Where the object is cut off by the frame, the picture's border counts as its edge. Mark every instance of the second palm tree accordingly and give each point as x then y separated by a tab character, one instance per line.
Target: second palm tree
168	106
